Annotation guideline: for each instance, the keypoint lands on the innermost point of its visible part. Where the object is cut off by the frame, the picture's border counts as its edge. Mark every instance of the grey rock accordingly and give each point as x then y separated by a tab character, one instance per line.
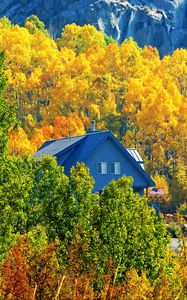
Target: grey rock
159	23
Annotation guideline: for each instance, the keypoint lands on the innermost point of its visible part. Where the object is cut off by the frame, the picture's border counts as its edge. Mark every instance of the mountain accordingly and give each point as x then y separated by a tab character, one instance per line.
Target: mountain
160	23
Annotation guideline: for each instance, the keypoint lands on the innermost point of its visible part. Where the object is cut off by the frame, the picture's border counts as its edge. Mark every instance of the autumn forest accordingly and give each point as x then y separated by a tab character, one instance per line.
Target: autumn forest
96	247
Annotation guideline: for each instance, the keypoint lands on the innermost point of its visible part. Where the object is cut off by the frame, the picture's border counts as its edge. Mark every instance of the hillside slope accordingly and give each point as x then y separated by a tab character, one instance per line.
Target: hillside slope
160	23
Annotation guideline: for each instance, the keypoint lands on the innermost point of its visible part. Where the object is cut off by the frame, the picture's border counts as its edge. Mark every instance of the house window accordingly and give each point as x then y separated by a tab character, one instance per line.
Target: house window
115	168
102	167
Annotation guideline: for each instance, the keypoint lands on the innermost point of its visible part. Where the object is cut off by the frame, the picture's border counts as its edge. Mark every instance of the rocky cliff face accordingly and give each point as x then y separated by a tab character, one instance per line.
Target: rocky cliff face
160	23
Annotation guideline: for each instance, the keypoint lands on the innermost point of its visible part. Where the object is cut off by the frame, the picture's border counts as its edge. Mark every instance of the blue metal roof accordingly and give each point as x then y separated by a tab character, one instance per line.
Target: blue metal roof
55	146
69	151
47	143
83	150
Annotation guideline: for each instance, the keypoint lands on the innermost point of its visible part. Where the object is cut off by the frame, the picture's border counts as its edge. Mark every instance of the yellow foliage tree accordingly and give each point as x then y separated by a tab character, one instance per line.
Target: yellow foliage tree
19	144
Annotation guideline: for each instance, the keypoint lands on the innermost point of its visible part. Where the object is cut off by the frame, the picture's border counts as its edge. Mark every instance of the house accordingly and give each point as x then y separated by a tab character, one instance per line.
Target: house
105	156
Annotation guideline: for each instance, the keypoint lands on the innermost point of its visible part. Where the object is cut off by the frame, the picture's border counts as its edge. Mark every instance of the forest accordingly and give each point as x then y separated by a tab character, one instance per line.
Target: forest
58	240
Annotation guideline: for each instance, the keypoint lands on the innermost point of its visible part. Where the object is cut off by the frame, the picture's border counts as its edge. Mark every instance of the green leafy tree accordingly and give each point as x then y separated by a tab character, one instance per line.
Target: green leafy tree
85	235
20	202
5	23
131	233
33	24
110	40
52	192
82	185
16	183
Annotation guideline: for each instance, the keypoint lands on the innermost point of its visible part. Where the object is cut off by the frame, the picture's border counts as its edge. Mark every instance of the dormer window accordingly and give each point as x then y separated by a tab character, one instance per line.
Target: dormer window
102	167
115	168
